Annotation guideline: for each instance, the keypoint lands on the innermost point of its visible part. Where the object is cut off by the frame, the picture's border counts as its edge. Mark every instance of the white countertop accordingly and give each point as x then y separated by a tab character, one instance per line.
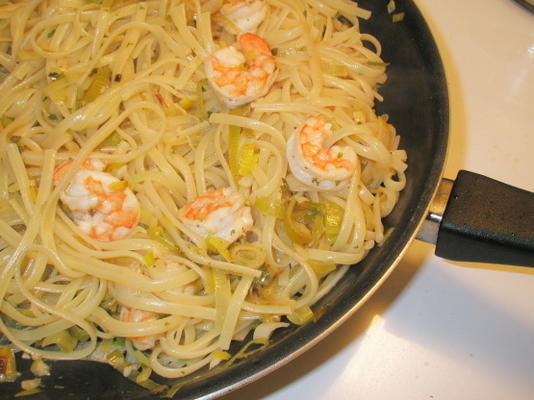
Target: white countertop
436	329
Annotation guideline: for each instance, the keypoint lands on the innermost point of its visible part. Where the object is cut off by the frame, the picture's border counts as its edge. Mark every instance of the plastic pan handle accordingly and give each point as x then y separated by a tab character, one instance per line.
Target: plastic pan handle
479	219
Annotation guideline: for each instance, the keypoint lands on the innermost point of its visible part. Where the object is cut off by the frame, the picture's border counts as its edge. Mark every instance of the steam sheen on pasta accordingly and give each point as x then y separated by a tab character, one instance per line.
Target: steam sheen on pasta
237	221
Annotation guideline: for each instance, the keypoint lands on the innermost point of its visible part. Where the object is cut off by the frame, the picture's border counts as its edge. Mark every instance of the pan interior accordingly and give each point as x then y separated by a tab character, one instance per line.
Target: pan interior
416	102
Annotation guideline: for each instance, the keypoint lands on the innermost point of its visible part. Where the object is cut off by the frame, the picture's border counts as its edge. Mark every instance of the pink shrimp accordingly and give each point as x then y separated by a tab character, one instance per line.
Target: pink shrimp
312	163
220	212
102	206
241	76
246	15
128	314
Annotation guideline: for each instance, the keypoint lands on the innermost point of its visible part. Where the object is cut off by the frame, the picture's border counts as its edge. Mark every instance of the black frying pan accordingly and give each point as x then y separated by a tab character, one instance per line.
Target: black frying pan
416	100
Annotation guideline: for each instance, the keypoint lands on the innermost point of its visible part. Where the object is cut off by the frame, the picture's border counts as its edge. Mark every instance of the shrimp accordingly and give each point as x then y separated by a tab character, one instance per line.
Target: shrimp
246	15
220	212
315	165
102	206
128	314
242	75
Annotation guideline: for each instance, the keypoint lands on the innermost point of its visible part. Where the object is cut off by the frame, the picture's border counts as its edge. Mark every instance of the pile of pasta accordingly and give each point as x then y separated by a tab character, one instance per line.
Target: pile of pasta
125	84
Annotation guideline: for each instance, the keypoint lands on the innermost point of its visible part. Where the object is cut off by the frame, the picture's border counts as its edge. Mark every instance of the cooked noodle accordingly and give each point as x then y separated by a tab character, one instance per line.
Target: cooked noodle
159	126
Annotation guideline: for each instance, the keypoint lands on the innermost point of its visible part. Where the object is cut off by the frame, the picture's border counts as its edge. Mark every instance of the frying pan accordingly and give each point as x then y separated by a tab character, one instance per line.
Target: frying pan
416	100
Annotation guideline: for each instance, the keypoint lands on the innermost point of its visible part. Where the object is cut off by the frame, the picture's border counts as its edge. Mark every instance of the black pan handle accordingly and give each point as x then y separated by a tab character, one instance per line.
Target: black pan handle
479	219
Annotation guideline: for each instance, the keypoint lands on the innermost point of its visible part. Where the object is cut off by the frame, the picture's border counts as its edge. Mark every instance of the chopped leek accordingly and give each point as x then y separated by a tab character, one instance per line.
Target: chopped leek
397	17
223	294
101	82
30	384
79	333
221	355
200	101
62	339
113	167
157	233
40	368
112	140
322	268
5	121
143	375
210	281
186	103
147	218
308	221
8	366
247	159
296	230
116	186
58	92
119	342
116	359
245	352
28	55
391	6
218	245
270	206
301	315
230	25
333	217
234	136
359	117
149	259
249	255
267	318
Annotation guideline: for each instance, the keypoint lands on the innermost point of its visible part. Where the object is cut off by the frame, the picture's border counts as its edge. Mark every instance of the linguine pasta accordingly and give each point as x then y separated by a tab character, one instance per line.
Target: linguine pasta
124	82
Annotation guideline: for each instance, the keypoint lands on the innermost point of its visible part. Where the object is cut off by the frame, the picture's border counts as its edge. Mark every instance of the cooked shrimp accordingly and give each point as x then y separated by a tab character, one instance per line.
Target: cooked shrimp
220	212
102	206
128	314
246	15
242	75
315	165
